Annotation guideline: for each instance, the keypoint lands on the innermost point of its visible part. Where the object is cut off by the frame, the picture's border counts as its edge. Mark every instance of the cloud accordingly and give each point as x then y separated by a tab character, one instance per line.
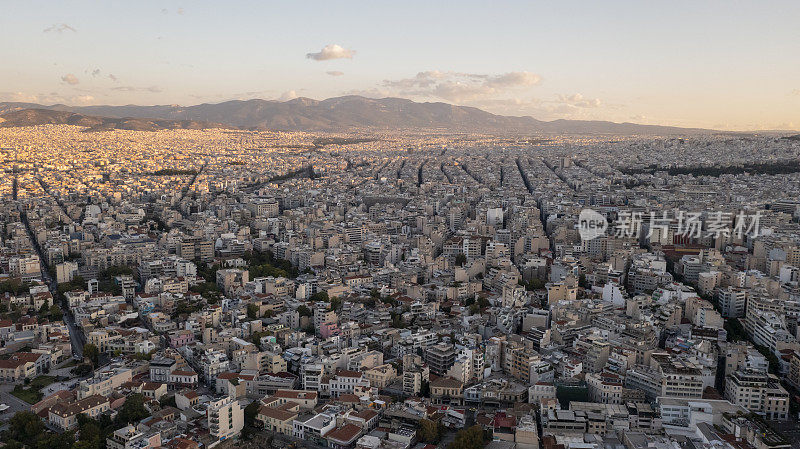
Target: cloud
112	77
288	95
151	89
45	98
70	79
335	73
513	79
59	28
83	99
96	73
331	51
369	93
460	87
579	101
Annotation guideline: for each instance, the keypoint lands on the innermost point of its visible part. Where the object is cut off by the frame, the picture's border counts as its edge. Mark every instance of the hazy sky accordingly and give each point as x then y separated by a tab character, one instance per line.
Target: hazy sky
722	64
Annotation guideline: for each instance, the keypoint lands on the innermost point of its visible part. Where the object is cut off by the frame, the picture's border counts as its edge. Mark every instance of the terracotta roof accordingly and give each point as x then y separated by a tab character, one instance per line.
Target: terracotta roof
74	408
366	414
446	382
191	394
295	394
345	434
276	413
349	398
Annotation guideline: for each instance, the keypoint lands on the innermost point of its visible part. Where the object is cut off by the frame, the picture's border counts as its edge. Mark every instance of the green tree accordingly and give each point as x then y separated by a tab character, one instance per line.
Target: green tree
303	310
168	401
319	296
471	438
252	311
82	370
91	352
425	389
25	427
582	282
430	431
250	413
55	313
132	410
461	259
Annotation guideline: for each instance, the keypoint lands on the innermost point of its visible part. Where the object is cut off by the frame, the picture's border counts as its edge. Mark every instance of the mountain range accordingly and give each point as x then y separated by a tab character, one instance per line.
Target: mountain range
38	116
304	114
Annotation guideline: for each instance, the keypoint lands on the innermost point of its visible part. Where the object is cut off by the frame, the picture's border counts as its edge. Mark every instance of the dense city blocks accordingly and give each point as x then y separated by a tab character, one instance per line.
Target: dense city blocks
193	287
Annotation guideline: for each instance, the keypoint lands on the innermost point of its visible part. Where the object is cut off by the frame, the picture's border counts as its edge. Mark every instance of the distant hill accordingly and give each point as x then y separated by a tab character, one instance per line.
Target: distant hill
32	117
349	113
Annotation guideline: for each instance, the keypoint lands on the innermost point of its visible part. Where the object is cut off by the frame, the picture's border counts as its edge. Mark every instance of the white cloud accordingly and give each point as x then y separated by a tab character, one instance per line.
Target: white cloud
288	95
83	99
369	93
460	87
331	51
46	99
579	101
335	73
59	28
70	79
513	79
151	89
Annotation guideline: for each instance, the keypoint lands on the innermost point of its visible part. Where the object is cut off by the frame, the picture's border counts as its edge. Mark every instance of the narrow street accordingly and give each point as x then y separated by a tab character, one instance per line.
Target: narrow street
75	335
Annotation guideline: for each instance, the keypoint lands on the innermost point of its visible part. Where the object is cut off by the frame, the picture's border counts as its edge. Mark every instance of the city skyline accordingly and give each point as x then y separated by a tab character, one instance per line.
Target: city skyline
710	65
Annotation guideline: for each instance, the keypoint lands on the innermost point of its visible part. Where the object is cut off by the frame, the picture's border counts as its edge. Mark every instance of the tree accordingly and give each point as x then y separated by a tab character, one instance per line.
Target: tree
430	431
168	402
257	336
91	352
336	303
82	370
25	427
582	282
252	311
303	310
474	308
250	413
461	260
471	438
55	313
425	389
319	296
132	410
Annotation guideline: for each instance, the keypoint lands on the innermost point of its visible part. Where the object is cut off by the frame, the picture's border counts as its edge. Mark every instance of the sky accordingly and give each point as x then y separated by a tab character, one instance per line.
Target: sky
712	64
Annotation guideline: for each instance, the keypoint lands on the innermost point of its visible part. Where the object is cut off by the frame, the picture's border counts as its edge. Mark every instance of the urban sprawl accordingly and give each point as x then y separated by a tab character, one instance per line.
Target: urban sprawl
409	289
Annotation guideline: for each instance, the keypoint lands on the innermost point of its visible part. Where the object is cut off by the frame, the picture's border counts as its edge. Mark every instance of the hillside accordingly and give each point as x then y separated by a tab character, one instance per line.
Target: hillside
339	114
33	117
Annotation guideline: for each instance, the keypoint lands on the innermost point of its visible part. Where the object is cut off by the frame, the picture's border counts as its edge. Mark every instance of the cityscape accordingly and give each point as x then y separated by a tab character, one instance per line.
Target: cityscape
377	272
